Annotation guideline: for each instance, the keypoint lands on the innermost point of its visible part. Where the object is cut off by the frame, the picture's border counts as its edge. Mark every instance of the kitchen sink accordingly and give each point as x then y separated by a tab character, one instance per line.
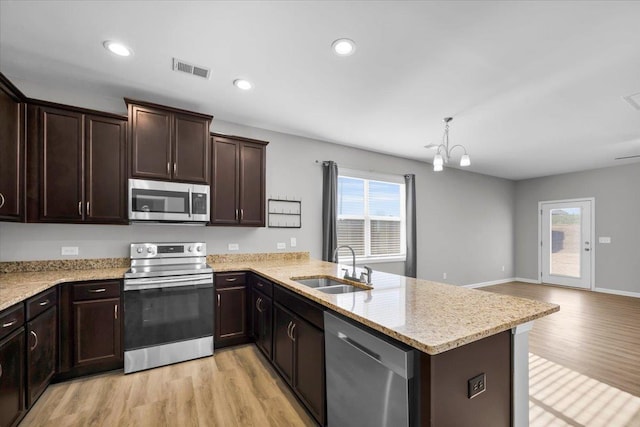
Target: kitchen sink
318	282
329	285
340	289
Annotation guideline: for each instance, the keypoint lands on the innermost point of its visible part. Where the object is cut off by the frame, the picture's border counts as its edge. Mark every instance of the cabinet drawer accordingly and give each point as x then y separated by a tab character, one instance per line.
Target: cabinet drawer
308	310
11	319
96	290
228	280
41	302
263	285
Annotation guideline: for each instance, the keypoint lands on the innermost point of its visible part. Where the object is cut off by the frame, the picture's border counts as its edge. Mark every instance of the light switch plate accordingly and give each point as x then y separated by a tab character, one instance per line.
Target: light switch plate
234	246
294	242
604	239
69	250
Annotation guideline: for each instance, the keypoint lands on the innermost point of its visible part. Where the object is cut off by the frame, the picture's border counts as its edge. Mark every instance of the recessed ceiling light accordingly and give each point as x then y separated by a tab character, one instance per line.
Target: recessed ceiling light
242	84
344	47
117	48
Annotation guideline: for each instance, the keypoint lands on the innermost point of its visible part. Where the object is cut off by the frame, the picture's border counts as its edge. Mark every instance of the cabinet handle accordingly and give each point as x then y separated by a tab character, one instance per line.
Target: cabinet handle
80	208
115	311
289	329
0	363
36	344
10	323
258	304
1	200
259	284
43	303
231	279
88	206
175	168
293	328
241	214
168	168
236	214
218	300
96	291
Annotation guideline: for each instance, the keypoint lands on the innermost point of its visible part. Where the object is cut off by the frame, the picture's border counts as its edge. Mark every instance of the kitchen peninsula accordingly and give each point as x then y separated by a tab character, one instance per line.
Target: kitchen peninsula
459	332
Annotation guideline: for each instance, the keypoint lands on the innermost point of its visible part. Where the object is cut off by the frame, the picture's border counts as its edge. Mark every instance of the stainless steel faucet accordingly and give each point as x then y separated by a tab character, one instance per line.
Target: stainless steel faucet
346	271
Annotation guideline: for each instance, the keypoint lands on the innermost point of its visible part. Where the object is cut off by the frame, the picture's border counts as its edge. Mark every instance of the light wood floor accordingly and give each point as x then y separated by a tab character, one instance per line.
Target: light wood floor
236	387
584	364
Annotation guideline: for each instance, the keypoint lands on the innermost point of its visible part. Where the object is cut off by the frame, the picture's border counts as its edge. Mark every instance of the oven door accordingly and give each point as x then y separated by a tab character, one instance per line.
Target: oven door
161	311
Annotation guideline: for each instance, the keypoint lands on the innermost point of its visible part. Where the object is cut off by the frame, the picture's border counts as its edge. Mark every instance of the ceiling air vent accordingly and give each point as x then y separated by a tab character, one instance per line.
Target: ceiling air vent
185	67
634	100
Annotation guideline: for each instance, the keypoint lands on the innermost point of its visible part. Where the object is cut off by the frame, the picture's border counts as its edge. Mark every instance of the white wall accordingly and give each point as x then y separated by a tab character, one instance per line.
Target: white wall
465	220
617	215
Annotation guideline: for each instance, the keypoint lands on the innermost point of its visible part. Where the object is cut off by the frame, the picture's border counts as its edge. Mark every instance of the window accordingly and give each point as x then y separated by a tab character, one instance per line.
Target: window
371	218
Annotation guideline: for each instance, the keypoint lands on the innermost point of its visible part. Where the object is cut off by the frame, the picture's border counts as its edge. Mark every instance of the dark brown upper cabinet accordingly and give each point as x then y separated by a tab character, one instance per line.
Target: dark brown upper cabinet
168	143
238	181
76	165
12	147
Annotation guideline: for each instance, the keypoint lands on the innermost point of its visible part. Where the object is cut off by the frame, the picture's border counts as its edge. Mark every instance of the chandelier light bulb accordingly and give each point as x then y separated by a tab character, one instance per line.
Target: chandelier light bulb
438	160
437	168
465	160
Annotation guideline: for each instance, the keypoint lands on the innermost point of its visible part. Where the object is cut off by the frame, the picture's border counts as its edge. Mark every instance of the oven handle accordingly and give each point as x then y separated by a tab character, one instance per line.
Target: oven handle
164	283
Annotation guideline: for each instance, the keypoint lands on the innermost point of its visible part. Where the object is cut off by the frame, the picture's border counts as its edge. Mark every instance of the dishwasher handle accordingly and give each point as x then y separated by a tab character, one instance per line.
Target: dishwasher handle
375	356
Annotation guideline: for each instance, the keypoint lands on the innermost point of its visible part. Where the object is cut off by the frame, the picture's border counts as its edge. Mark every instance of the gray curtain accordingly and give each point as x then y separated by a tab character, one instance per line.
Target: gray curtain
410	266
329	209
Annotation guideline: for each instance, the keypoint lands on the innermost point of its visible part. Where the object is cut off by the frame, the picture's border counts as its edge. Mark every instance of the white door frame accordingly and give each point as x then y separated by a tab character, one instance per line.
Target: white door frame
592	252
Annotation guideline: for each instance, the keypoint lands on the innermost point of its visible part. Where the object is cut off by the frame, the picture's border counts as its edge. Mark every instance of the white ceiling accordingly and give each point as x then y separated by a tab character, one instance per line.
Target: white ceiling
535	88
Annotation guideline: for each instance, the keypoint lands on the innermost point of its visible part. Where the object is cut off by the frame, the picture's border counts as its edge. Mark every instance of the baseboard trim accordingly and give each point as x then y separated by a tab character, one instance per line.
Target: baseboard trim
490	283
522	279
617	292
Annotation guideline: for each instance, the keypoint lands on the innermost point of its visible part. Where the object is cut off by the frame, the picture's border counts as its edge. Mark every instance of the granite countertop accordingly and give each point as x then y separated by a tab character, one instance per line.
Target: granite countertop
426	315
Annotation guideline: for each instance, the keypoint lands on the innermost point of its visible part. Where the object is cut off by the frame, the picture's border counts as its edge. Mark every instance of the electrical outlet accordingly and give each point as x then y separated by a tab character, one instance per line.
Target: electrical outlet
69	250
477	385
294	242
503	268
444	275
234	246
604	239
281	245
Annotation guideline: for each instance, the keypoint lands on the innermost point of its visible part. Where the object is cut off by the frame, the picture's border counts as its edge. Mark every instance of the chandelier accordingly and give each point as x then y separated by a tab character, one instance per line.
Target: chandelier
443	155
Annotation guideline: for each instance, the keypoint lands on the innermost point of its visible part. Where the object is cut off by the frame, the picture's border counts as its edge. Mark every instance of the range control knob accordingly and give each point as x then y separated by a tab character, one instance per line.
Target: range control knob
150	250
190	249
198	248
139	250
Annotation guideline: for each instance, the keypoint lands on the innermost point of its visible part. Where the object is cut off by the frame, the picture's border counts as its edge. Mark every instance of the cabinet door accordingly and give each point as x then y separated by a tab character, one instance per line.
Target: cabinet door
105	170
190	149
61	164
12	159
252	175
12	378
150	143
41	354
96	331
282	343
224	184
309	367
265	339
231	315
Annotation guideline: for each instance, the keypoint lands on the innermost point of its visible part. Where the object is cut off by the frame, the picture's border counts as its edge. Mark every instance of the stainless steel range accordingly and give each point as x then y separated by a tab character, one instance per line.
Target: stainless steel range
168	305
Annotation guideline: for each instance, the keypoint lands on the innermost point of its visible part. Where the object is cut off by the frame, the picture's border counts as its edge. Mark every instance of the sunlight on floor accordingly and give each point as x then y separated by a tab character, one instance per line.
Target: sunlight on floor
559	396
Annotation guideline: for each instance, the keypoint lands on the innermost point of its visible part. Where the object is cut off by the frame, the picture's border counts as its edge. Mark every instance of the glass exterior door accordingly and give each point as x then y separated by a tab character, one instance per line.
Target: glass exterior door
566	243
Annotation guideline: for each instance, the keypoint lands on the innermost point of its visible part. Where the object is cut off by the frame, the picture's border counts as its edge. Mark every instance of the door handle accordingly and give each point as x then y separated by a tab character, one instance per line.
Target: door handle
36	344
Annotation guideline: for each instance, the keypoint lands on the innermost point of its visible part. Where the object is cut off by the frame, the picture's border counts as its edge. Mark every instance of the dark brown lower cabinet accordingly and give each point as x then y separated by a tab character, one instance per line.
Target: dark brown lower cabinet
262	307
12	375
90	328
96	332
41	353
299	356
231	314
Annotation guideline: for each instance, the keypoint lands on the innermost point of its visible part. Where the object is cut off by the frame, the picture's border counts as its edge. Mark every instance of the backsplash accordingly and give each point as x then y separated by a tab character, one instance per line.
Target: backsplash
97	263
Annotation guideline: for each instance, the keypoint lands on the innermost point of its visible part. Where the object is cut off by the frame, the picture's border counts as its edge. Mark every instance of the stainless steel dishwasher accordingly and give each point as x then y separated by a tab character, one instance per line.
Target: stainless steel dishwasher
370	379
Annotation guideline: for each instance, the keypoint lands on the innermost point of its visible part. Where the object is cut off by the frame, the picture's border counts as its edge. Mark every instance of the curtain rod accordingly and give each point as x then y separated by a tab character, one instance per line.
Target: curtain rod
322	162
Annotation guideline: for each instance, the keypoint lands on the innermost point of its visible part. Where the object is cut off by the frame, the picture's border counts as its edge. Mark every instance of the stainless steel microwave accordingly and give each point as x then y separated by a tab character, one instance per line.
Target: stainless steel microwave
160	201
